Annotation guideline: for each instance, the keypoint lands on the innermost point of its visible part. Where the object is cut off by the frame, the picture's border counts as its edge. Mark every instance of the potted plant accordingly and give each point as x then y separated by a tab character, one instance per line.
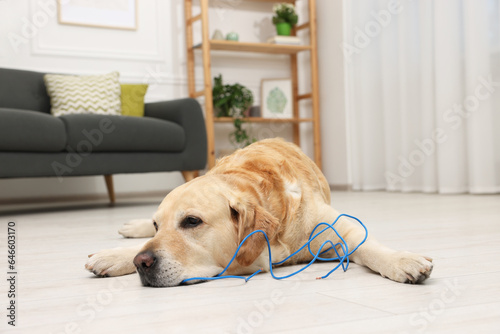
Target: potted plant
233	101
285	18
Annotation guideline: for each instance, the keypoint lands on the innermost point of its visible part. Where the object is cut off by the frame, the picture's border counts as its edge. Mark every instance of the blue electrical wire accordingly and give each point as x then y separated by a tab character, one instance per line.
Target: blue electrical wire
342	244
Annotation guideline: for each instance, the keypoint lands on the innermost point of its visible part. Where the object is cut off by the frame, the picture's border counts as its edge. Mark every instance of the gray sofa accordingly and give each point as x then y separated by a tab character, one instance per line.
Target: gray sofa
170	137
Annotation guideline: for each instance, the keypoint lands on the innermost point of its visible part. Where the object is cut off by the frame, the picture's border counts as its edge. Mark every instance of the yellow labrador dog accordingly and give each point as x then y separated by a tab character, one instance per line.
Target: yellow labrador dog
270	185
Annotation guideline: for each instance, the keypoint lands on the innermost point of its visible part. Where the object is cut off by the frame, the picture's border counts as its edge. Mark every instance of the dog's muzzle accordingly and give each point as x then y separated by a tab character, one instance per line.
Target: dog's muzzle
155	270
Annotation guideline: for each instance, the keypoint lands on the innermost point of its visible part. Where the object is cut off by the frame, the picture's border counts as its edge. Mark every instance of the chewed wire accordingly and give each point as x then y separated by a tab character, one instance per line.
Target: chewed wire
343	259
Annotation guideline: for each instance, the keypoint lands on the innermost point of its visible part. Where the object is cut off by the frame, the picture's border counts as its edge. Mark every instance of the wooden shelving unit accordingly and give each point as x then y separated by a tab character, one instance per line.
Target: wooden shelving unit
207	46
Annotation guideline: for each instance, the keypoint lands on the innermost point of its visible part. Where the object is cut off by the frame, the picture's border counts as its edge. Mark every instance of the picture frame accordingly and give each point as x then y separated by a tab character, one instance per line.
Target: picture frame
276	98
112	14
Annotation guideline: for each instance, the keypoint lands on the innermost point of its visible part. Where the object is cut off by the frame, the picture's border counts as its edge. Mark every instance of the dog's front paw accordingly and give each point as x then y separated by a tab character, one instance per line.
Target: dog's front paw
138	228
408	267
112	262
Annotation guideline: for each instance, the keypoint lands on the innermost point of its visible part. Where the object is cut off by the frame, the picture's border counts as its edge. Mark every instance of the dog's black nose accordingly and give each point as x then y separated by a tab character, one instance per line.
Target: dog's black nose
144	261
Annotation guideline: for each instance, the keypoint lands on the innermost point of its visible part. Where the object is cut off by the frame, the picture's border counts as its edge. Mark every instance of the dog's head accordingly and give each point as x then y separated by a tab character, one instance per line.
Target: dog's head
199	226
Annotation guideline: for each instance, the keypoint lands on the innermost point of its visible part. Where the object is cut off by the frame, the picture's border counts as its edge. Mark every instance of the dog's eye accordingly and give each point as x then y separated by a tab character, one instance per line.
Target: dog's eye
155	225
190	222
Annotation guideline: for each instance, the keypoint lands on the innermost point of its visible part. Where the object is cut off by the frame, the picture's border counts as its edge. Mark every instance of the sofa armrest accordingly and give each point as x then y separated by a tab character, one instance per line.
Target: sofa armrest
188	114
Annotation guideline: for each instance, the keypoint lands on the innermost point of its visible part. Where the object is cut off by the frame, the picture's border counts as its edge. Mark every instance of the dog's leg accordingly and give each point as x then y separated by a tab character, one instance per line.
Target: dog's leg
113	262
138	228
399	266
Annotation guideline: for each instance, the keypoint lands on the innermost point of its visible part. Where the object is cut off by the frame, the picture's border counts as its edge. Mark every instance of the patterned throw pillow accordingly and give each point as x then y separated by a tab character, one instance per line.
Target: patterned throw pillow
93	94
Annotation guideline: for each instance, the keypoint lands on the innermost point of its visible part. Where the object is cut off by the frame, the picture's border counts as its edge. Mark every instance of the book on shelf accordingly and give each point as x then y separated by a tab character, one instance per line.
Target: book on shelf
286	40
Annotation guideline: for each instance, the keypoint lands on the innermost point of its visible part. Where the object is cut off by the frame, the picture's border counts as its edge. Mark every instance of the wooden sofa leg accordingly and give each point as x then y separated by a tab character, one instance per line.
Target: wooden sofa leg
190	174
111	189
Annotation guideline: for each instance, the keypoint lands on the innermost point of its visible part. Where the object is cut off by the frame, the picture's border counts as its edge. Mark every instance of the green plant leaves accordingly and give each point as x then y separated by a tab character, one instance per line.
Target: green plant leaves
285	13
230	100
233	101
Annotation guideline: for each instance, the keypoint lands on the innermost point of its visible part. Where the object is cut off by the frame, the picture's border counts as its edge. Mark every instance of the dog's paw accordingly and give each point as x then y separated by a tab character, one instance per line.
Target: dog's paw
138	228
408	267
112	262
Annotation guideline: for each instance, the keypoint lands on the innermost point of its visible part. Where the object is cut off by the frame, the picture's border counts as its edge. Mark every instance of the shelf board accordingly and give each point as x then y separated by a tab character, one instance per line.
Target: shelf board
263	120
255	47
273	1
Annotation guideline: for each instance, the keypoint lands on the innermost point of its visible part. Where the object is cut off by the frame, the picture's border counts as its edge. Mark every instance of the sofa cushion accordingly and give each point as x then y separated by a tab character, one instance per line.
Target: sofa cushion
91	94
102	133
23	90
30	131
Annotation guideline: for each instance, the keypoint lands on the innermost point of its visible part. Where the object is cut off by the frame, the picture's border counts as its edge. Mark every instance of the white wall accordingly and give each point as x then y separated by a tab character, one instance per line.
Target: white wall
31	38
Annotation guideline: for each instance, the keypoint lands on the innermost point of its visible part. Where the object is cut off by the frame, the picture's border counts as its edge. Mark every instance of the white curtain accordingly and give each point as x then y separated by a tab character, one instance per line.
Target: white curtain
423	95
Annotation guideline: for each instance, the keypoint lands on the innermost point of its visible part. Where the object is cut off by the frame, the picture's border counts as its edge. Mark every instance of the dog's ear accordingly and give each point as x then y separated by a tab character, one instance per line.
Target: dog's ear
249	218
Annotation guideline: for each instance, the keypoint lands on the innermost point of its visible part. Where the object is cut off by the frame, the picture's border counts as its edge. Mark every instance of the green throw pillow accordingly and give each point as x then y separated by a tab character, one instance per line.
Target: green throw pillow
90	94
133	99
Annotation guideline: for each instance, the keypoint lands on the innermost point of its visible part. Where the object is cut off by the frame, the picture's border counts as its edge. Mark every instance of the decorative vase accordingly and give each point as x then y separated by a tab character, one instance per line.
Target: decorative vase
283	29
253	112
218	35
232	36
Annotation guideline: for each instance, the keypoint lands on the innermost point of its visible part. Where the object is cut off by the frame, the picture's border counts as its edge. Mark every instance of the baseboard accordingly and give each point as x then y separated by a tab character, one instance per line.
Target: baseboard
340	187
79	198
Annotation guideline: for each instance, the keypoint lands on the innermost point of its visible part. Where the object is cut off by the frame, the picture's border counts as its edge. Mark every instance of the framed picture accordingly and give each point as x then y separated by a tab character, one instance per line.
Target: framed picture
276	98
114	14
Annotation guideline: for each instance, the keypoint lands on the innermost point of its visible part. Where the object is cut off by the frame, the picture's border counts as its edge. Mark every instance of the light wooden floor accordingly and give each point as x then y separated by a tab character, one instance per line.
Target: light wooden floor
461	233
